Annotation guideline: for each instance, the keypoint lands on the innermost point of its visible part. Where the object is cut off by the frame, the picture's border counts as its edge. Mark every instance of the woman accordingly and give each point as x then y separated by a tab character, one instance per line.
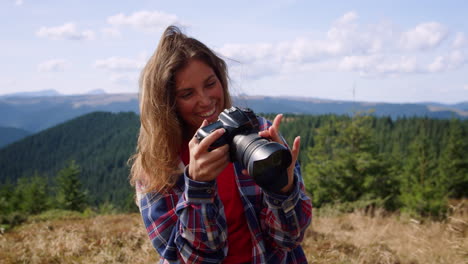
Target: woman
197	206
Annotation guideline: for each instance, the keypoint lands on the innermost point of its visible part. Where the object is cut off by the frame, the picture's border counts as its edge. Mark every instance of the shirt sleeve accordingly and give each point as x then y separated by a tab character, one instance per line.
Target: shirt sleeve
284	218
187	222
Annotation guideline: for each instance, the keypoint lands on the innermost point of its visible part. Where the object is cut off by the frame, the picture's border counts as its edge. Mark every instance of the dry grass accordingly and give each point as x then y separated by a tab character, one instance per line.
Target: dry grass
348	238
383	238
101	239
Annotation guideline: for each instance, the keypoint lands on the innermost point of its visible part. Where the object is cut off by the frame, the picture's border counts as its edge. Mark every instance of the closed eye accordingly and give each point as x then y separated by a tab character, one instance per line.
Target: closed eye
185	94
211	82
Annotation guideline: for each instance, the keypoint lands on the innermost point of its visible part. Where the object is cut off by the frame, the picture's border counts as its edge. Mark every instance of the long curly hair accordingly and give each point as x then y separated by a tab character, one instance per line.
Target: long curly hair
156	160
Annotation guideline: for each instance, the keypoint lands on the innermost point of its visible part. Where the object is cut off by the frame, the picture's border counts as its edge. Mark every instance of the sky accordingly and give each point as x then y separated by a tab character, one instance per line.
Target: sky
375	51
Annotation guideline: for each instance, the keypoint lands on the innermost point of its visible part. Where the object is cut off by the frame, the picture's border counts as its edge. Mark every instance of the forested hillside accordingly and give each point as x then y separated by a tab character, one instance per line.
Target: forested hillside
415	164
100	143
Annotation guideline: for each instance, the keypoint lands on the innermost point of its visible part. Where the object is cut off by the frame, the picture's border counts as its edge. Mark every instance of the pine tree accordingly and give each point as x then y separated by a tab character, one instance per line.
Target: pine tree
345	165
32	194
422	191
7	193
69	193
453	164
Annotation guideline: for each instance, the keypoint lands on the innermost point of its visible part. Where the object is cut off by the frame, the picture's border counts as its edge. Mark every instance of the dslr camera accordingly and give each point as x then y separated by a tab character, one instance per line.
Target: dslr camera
266	161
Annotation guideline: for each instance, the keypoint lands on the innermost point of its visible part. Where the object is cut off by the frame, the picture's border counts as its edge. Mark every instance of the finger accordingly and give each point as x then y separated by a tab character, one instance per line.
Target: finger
274	129
215	166
277	120
294	154
264	133
211	138
194	138
295	148
274	135
219	152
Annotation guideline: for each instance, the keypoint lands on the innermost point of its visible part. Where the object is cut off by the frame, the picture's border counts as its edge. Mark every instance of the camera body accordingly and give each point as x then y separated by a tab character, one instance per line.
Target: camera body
235	121
266	161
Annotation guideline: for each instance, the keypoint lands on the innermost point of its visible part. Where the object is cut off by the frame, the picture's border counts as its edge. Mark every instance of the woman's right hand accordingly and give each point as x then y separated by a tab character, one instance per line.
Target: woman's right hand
207	165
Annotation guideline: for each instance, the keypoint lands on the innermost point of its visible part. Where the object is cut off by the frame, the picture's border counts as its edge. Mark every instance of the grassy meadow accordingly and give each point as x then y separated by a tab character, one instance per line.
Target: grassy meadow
357	237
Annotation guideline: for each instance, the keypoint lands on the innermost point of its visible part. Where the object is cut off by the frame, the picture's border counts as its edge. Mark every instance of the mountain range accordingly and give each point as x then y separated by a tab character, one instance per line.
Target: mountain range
35	111
101	143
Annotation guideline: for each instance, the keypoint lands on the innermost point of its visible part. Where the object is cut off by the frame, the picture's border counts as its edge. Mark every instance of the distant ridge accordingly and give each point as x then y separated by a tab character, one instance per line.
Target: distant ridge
97	91
10	134
41	93
35	113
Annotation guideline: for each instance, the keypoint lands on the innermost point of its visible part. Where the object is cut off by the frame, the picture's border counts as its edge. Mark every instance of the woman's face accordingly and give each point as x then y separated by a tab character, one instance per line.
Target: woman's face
199	94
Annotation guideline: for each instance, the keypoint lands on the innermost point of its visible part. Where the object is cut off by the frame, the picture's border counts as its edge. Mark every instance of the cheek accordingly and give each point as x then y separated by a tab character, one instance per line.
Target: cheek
184	109
218	93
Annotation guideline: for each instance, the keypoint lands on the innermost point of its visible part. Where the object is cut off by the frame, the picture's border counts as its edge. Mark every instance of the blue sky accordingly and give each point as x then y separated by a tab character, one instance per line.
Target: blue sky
388	51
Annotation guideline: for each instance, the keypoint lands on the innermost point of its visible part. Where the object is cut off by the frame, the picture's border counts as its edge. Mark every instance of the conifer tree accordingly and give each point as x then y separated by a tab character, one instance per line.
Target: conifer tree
453	164
345	165
7	193
422	191
32	194
69	193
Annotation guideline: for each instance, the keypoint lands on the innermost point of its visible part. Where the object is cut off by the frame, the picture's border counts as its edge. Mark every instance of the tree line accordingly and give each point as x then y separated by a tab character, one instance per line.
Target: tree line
414	165
409	164
31	196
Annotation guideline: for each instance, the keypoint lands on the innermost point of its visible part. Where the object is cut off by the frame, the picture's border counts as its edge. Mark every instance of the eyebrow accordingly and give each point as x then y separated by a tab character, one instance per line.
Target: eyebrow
178	89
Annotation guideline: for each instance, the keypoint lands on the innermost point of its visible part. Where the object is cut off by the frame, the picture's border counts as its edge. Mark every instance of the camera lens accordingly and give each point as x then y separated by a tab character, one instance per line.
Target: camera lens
266	161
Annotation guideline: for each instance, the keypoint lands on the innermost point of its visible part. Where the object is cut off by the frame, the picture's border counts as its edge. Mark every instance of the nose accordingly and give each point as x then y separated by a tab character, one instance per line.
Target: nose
204	100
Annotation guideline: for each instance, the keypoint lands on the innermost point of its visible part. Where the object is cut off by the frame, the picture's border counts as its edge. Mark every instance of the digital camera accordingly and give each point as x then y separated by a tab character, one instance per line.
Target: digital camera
266	161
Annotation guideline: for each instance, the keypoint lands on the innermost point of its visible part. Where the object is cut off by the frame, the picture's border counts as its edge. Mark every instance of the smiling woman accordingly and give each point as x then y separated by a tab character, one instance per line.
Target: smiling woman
197	206
199	94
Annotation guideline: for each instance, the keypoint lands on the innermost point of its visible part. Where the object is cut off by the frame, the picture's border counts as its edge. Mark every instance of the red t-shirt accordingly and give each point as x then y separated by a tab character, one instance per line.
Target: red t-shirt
239	238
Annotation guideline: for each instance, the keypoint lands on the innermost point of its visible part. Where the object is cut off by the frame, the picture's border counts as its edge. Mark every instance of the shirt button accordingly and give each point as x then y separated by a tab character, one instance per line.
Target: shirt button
276	202
209	191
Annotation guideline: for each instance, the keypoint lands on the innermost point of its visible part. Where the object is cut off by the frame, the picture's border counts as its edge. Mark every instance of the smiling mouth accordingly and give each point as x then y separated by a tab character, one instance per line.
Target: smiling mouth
209	113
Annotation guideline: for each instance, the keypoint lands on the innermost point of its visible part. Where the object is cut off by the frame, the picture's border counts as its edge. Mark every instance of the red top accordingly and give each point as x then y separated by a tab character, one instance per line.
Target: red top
239	238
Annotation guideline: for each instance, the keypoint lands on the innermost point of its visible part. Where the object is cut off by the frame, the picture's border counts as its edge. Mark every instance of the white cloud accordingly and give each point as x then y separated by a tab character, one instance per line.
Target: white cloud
120	64
54	65
439	64
465	87
18	2
460	41
66	31
373	50
359	63
424	36
345	37
451	61
144	20
347	18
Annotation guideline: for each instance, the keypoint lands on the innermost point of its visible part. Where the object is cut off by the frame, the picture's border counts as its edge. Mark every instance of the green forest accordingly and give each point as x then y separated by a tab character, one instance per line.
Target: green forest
413	165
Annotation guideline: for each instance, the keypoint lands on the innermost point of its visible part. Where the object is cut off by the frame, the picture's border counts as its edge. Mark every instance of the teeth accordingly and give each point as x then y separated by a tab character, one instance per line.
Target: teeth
208	113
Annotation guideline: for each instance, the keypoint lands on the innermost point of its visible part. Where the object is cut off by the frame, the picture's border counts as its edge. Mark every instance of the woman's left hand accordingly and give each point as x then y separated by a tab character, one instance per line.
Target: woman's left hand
273	134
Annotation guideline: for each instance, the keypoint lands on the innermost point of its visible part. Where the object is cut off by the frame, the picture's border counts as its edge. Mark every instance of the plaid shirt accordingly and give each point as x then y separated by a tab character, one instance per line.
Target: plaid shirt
186	224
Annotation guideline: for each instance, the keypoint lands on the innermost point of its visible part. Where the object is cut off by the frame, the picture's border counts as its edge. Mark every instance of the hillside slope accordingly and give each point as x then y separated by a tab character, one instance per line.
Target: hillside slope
11	134
100	143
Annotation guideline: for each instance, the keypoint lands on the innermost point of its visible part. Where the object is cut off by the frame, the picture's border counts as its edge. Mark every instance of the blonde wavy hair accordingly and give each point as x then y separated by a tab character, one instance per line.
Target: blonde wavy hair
156	160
